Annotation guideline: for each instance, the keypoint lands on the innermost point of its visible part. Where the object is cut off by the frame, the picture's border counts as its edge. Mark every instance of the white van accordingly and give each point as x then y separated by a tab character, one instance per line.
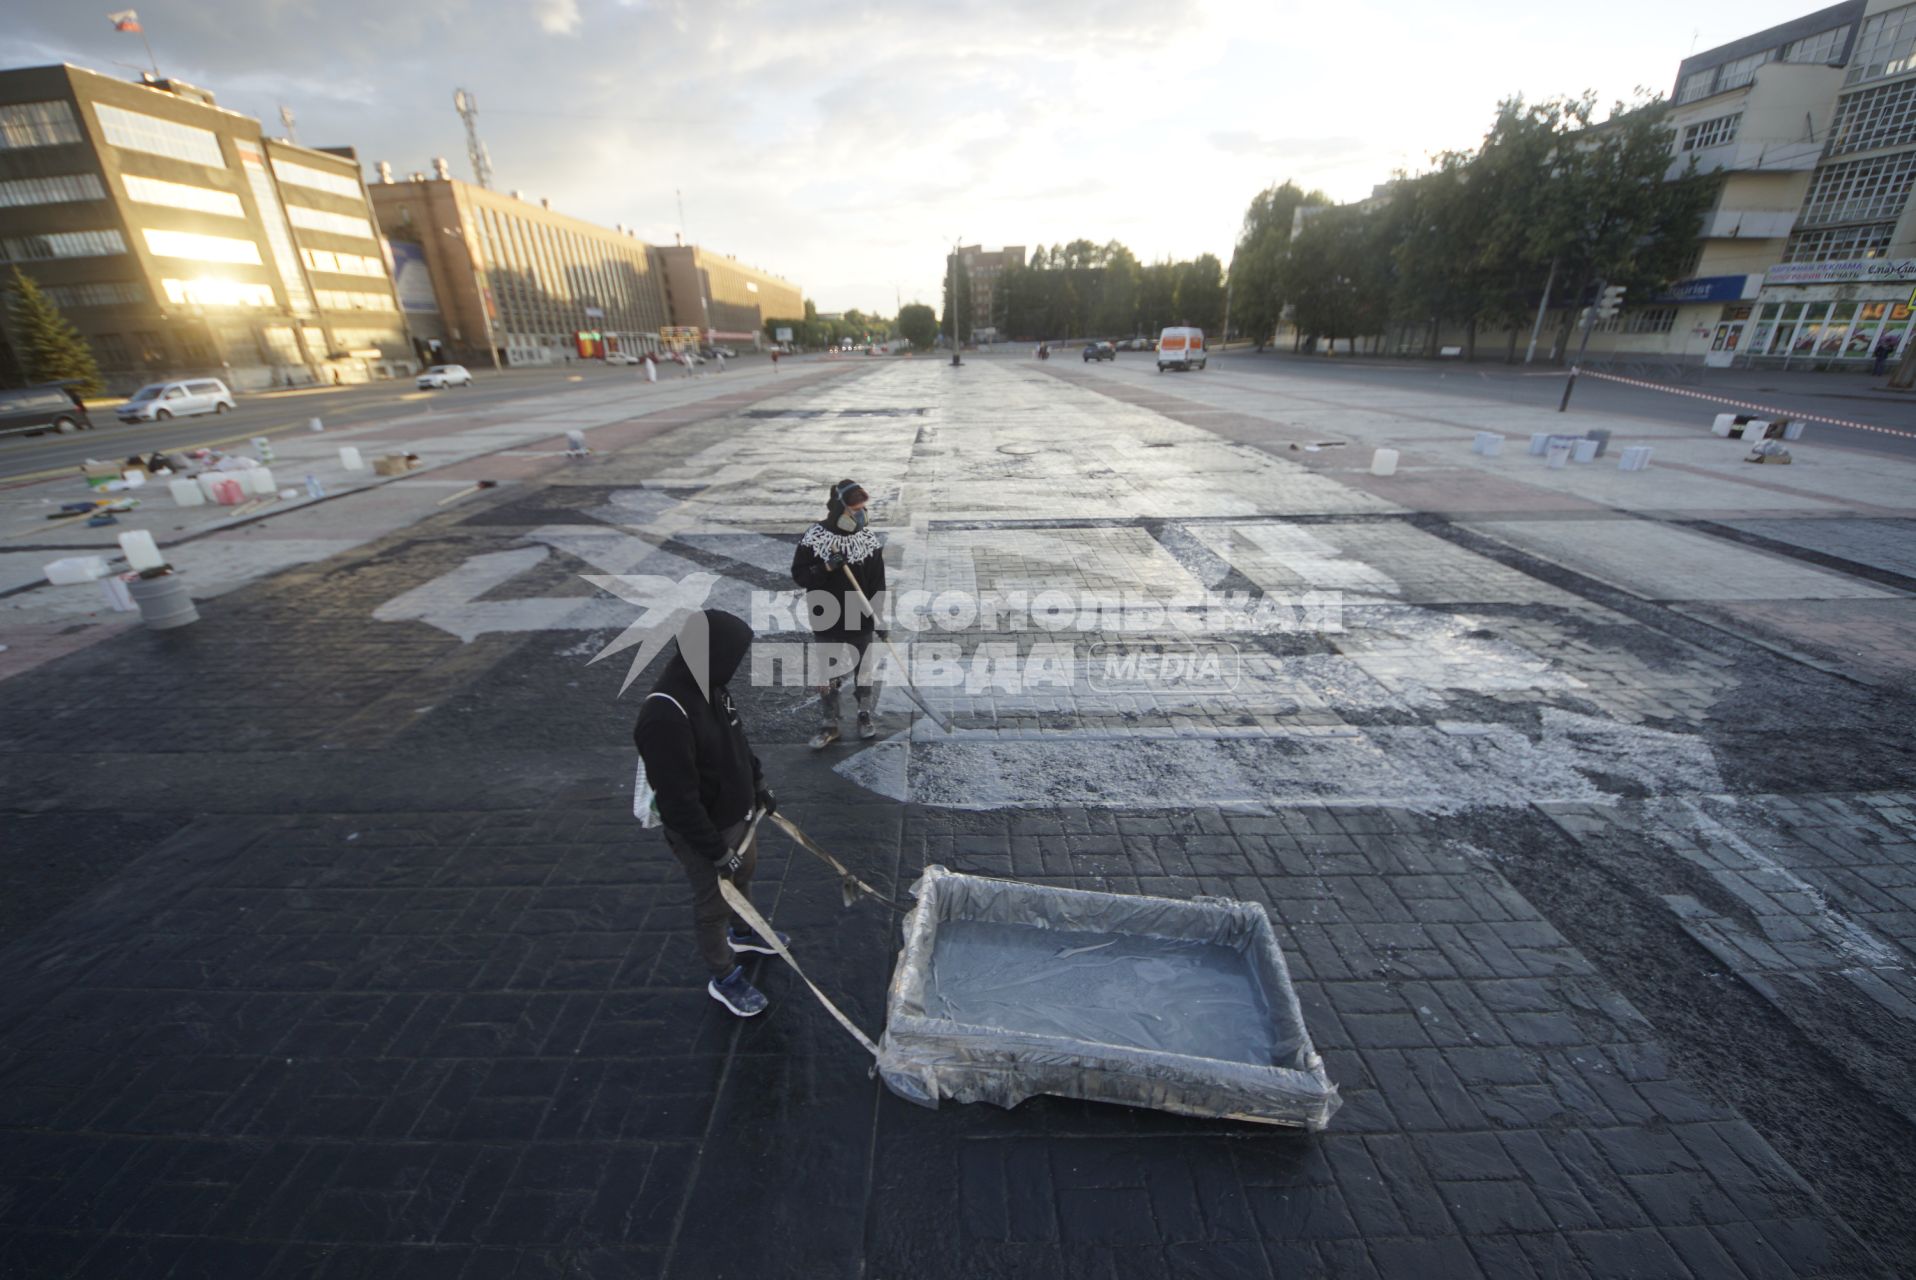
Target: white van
159	401
1180	348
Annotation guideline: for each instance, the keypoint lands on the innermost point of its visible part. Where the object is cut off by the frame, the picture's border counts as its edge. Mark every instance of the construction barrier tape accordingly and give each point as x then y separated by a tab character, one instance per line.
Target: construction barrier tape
1791	414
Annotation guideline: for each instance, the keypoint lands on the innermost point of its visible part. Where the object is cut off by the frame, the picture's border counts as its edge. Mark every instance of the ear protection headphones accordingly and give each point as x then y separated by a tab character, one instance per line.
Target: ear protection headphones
840	489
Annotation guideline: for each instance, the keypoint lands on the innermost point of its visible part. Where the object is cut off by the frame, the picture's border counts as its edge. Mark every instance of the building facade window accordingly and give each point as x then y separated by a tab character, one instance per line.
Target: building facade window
1711	133
181	195
1824	46
38	124
1860	190
1840	244
61	189
339	224
61	244
279	237
300	175
1874	118
345	264
111	348
1883	45
1734	75
134	131
106	294
200	248
214	292
1696	85
366	339
348	300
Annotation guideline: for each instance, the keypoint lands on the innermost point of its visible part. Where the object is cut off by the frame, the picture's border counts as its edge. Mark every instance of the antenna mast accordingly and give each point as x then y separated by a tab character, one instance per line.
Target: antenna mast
468	108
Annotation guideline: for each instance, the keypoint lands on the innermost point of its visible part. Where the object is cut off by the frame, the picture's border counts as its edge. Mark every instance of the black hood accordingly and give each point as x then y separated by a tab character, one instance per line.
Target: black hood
716	641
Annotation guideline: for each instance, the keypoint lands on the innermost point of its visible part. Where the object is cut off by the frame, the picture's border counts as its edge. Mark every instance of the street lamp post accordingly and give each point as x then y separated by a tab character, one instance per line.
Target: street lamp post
955	361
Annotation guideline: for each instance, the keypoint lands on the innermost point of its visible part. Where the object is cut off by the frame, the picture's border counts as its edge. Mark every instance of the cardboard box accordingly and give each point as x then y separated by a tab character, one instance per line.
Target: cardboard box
99	473
392	464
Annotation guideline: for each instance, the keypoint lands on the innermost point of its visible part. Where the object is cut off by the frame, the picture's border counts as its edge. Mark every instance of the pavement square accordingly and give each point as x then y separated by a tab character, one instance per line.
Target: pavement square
393	985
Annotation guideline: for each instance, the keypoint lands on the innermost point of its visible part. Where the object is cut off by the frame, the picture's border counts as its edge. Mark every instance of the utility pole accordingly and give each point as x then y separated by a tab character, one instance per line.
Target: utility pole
680	197
1224	339
1542	307
1609	302
467	105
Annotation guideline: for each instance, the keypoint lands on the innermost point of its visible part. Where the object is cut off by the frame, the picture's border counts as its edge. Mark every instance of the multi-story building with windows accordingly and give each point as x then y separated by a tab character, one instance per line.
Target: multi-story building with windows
489	276
1809	257
722	296
983	269
180	240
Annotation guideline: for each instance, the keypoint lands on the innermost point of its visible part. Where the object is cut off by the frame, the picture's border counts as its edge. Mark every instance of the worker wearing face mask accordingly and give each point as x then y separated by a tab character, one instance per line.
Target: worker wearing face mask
842	622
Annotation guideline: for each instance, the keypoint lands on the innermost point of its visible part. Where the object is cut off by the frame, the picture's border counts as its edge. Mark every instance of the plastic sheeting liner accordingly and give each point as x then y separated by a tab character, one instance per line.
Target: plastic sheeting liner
1006	990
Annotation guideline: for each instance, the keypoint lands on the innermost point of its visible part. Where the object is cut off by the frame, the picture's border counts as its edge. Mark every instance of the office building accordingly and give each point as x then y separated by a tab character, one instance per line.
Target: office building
180	240
491	277
725	299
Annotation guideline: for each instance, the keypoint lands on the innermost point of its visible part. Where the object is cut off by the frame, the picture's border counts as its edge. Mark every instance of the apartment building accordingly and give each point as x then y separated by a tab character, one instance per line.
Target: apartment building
180	240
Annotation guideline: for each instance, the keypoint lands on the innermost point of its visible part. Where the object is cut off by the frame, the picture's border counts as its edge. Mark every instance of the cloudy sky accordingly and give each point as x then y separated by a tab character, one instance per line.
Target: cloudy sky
842	145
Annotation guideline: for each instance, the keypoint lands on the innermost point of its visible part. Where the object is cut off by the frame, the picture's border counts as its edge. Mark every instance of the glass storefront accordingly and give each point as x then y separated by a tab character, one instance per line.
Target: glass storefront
1824	332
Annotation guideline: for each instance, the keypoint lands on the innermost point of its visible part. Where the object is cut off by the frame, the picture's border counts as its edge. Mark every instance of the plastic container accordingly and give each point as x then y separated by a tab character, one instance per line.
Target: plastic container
163	601
71	570
113	590
1384	462
1539	441
135	478
259	482
186	493
228	491
1584	451
349	458
1634	458
1793	431
1488	443
1558	455
140	550
1601	436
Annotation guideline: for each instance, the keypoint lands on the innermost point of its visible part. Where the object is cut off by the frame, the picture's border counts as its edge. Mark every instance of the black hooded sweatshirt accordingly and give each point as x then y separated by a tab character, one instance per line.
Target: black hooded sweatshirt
864	553
698	759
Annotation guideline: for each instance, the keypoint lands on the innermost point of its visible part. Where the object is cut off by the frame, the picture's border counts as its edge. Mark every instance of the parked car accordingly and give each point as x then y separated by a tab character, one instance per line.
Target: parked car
441	376
1099	351
620	357
158	401
1181	348
33	410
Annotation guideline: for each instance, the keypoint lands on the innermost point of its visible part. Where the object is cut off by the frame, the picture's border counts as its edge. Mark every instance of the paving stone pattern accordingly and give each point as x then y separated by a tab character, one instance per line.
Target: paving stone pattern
393	986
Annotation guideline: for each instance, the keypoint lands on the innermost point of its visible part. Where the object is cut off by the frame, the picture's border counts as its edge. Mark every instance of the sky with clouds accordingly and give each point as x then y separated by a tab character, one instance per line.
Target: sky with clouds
843	145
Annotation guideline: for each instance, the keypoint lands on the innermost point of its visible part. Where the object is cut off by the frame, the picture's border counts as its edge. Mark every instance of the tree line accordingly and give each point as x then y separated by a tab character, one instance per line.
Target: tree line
1080	289
811	332
1550	204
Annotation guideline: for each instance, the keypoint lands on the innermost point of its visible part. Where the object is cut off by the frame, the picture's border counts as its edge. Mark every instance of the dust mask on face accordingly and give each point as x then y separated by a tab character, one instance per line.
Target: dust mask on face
851	521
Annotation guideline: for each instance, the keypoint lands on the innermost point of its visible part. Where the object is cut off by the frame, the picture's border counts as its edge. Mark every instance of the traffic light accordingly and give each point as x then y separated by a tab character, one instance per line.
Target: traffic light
1610	303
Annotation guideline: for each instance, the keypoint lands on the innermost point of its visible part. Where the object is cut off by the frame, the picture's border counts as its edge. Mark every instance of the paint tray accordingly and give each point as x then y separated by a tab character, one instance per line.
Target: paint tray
1005	990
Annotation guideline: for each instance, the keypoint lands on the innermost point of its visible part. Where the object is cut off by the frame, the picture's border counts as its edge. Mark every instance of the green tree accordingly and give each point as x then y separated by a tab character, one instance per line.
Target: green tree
1117	306
46	344
1200	293
918	323
1157	296
1257	294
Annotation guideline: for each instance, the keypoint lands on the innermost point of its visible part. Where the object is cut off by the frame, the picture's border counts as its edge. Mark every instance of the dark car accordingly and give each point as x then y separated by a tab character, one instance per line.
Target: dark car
1100	351
33	410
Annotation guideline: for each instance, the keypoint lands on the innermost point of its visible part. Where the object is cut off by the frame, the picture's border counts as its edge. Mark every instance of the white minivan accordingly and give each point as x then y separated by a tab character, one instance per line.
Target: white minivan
158	401
1181	348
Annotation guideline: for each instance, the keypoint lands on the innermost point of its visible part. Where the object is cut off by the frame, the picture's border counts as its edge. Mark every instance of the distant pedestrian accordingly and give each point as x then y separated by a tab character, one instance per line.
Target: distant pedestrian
842	627
774	359
651	368
709	786
1885	348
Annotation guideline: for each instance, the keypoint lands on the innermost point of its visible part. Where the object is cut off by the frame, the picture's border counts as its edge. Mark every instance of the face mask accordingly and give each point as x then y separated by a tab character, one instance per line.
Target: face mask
852	521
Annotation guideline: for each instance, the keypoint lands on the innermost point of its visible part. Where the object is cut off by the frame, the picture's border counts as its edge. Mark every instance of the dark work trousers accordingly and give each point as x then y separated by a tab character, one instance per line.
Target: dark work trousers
710	915
856	643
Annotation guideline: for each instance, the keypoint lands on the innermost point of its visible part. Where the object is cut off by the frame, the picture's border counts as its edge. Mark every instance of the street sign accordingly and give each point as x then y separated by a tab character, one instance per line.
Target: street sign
785	335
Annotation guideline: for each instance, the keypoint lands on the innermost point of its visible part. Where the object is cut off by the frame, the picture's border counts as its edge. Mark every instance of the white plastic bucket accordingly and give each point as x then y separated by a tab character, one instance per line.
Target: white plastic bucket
1384	462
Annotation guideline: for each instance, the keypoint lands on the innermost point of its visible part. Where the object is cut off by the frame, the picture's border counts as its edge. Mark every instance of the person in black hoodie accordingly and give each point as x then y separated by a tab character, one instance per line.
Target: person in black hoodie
708	784
842	626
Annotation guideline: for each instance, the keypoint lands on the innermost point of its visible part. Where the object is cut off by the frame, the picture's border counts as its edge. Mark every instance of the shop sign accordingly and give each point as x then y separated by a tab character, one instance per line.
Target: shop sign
1705	289
1859	271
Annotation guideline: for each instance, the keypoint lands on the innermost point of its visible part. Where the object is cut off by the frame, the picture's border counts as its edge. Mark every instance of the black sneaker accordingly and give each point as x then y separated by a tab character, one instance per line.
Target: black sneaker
737	995
744	942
